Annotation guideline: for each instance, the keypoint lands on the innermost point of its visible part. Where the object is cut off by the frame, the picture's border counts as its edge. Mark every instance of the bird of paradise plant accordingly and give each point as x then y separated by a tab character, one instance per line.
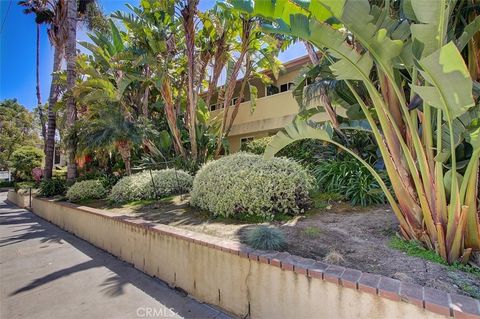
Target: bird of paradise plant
419	107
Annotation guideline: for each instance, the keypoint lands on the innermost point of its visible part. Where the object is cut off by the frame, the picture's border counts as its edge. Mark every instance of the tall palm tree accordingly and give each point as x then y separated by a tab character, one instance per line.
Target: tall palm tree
71	57
54	14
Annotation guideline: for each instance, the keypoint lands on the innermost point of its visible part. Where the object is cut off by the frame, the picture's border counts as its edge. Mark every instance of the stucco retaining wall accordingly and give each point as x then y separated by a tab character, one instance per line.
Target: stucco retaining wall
247	282
21	200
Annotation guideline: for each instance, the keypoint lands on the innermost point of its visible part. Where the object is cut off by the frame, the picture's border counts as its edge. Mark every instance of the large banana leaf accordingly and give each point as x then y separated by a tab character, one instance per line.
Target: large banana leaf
450	86
299	129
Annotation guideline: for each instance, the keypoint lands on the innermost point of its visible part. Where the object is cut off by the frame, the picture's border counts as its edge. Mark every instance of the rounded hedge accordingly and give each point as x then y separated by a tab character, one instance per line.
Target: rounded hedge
150	185
245	184
89	189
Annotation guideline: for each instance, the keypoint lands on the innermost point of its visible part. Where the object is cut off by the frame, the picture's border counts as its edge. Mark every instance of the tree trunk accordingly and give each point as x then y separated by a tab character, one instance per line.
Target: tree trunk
232	81
188	14
125	152
311	53
71	56
170	114
39	97
52	101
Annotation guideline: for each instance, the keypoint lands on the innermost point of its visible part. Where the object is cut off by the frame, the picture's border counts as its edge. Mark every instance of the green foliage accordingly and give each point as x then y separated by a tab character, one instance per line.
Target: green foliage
349	178
415	248
323	200
52	187
60	172
408	87
265	238
307	152
24	185
16	129
107	180
247	185
88	189
150	185
6	184
24	159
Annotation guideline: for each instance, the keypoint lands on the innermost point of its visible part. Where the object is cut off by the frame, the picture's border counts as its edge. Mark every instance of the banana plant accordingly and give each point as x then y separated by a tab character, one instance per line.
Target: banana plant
416	83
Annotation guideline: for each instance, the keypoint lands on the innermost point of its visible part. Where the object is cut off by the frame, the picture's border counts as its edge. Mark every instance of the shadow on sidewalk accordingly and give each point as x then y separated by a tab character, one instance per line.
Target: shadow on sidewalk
123	273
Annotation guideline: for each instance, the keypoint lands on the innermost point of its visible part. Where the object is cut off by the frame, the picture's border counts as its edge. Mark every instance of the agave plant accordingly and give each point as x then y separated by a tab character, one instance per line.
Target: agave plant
419	105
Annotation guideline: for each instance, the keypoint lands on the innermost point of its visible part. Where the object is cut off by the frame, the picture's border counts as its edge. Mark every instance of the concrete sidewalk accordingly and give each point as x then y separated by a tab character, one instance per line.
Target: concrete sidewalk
48	273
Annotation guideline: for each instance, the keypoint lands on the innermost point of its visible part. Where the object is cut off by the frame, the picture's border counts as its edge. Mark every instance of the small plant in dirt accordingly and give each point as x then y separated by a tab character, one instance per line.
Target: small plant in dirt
334	257
311	232
244	184
52	187
265	238
84	190
150	185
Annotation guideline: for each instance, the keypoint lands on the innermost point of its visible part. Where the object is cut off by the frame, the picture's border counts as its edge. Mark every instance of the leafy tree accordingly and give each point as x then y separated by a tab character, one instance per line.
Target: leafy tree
24	159
418	104
16	129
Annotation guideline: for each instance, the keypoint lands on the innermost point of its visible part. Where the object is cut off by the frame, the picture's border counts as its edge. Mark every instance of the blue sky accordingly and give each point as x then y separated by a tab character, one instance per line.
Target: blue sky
17	50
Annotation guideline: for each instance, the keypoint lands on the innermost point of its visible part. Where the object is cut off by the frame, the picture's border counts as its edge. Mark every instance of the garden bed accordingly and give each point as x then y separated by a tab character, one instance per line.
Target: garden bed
353	237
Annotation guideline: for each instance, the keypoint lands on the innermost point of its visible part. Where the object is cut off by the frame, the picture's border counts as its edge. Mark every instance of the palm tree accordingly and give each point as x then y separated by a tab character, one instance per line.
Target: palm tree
71	56
53	13
109	129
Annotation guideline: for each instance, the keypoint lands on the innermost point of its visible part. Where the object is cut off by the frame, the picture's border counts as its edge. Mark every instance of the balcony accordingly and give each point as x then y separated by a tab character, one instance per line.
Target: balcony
271	113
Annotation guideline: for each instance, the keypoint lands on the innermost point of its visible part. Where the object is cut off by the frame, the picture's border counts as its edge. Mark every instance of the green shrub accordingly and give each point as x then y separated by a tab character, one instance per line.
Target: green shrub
265	238
7	184
349	178
52	187
24	185
307	152
150	185
83	190
25	159
107	180
244	184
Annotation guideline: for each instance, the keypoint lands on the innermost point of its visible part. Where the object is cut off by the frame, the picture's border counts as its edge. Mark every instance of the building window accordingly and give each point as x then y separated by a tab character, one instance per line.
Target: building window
244	141
286	87
213	107
272	89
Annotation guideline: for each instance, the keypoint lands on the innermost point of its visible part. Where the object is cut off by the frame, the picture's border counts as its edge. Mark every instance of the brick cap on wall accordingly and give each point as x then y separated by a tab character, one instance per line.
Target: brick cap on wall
434	300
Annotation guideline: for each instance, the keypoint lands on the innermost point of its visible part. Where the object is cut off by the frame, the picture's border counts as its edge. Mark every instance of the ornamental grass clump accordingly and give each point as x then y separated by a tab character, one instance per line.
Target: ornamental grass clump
246	185
265	238
84	190
151	185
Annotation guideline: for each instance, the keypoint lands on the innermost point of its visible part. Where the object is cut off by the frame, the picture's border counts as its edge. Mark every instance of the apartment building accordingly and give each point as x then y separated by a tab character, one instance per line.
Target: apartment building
275	107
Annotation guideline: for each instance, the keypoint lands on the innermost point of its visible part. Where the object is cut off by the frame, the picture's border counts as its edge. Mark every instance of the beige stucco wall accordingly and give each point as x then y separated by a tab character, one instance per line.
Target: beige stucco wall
237	284
21	200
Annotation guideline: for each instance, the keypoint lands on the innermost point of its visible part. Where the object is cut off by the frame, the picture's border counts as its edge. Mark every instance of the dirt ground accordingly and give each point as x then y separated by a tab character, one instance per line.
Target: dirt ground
344	235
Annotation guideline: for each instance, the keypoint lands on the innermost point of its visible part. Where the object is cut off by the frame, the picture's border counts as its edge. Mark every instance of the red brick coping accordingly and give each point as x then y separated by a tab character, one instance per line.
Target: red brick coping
434	300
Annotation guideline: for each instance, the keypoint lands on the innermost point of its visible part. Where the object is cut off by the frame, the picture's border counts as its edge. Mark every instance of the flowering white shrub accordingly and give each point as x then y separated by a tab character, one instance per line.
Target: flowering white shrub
89	189
148	185
246	184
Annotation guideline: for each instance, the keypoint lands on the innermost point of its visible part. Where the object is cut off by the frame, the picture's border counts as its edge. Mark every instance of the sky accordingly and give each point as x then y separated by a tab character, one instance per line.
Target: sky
17	50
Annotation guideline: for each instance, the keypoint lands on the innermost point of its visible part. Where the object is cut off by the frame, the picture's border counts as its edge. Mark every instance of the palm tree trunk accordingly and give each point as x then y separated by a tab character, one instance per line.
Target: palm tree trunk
71	56
125	152
52	114
188	14
311	53
39	97
170	114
